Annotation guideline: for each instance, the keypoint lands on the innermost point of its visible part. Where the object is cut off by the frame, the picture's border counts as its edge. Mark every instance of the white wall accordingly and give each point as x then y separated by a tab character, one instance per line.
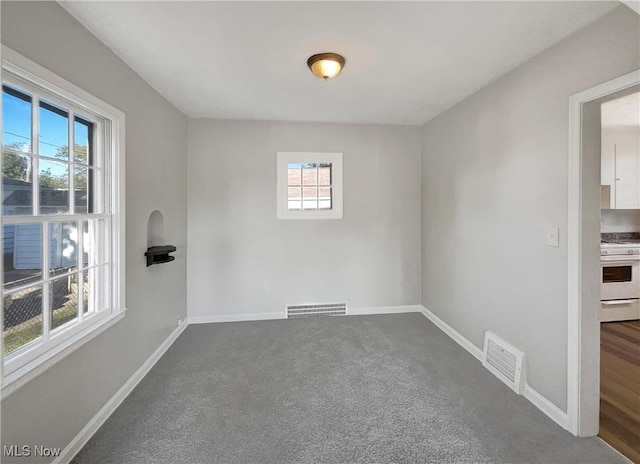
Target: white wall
242	260
494	178
51	409
620	220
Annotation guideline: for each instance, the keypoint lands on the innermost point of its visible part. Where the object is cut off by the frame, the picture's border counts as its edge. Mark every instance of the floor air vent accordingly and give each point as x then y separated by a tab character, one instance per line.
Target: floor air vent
337	309
505	361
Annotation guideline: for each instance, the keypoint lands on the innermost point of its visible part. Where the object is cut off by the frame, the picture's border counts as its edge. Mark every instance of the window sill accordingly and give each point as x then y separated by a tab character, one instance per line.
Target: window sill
309	215
32	369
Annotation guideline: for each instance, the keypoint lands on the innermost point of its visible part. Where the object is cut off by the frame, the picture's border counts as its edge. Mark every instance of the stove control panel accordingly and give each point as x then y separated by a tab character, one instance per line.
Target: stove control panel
627	251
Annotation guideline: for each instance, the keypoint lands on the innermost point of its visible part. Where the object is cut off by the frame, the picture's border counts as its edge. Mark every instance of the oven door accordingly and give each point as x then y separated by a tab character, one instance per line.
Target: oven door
620	278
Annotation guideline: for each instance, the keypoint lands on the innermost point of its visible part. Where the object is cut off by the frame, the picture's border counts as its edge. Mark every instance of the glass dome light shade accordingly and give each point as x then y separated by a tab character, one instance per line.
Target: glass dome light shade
326	65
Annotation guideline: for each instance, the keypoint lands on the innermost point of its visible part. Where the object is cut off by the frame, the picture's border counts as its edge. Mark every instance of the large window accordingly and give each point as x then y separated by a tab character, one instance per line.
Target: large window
62	229
309	185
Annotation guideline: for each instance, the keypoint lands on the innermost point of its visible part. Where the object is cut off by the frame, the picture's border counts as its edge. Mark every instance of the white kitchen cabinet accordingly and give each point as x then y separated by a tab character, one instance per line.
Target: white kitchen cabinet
621	167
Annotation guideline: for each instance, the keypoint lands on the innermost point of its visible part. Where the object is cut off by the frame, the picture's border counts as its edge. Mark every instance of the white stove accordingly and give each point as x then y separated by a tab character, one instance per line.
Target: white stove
620	279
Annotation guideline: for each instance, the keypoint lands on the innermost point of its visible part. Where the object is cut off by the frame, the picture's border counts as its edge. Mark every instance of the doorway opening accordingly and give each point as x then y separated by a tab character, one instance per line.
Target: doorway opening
620	276
584	234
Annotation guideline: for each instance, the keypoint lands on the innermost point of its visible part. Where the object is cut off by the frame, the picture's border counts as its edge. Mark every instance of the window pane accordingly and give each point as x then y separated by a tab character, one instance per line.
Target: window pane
294	198
54	187
16	184
310	198
22	254
54	131
309	174
63	300
63	247
22	318
94	240
294	174
16	120
324	174
81	181
82	142
324	198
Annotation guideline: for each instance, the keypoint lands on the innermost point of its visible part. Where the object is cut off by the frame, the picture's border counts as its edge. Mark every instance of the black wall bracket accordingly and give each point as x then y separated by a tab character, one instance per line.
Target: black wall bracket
159	254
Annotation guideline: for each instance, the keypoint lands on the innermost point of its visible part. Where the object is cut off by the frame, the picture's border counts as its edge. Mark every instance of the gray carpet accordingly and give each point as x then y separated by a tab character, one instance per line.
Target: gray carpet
357	389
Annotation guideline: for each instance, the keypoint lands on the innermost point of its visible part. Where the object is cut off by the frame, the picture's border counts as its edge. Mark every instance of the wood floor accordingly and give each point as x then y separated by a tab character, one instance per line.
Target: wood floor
620	387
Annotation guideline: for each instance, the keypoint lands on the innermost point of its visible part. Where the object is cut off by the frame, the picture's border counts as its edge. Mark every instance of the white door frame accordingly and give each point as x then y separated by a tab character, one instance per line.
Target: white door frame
576	365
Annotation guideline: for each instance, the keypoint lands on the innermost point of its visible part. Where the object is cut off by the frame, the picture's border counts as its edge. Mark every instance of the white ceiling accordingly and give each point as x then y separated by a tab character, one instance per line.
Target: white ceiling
623	111
406	61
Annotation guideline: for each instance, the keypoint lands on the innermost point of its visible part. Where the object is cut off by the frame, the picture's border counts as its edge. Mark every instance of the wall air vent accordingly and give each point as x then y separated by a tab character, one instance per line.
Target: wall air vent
336	309
504	361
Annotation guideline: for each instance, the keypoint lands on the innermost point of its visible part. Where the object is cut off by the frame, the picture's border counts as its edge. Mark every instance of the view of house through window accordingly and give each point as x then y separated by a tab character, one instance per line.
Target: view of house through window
54	226
309	186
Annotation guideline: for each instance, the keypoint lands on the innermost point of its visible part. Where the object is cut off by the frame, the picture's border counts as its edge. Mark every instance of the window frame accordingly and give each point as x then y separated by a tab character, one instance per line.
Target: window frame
335	159
25	75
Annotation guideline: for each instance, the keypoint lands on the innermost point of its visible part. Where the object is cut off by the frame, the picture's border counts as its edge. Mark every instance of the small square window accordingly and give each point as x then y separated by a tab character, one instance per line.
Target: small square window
309	185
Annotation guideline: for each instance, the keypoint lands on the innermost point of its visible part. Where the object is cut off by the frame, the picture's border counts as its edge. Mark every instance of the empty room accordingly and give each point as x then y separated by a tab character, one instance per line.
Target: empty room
328	232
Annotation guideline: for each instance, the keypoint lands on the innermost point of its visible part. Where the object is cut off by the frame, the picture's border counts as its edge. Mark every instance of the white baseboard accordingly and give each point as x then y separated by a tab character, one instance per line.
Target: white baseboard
101	416
283	315
543	404
383	310
556	414
446	328
235	317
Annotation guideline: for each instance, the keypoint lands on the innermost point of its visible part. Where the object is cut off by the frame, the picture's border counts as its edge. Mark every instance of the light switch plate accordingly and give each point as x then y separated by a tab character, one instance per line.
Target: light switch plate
552	237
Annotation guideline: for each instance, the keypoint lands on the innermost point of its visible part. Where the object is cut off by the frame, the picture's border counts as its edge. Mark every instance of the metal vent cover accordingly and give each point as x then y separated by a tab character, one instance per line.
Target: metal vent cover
505	361
326	309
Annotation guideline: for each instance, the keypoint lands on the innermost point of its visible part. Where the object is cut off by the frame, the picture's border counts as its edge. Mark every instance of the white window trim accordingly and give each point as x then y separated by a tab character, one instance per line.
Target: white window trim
284	158
21	369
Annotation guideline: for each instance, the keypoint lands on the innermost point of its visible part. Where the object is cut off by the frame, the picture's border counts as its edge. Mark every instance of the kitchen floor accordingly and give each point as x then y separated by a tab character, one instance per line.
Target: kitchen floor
620	387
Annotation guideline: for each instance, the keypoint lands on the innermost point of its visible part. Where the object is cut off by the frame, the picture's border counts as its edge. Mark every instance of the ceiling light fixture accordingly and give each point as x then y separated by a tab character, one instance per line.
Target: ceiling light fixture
326	65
